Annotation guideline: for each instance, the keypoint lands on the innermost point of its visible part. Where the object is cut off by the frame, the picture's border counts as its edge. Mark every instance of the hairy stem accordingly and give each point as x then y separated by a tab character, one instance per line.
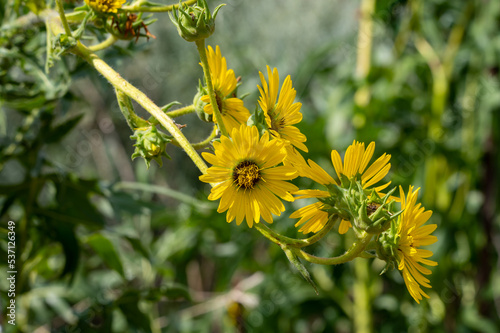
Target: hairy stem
293	242
200	44
206	142
104	44
65	24
181	111
121	84
356	248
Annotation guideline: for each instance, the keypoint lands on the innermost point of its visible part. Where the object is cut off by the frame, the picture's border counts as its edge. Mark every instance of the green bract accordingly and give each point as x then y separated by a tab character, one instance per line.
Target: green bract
364	209
150	144
199	105
194	23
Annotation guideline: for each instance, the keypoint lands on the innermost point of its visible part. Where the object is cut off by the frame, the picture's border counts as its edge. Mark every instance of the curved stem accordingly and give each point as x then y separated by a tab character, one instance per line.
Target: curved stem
293	242
65	24
204	143
137	7
200	44
356	248
104	44
121	84
182	111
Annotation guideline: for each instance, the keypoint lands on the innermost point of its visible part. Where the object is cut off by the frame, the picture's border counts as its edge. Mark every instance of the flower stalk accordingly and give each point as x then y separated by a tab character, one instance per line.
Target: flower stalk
200	44
121	84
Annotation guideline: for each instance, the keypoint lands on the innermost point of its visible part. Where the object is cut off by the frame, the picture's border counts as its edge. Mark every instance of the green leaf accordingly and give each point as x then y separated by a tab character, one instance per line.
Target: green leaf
58	132
300	267
106	250
128	304
138	247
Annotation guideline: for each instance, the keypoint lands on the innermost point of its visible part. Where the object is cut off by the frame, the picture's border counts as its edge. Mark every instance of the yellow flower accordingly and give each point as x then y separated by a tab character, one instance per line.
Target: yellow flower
413	234
247	176
232	110
105	6
281	115
355	166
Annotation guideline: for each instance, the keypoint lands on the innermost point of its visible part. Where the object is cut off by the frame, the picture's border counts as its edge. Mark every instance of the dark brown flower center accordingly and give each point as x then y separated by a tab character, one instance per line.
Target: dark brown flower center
277	123
218	99
246	174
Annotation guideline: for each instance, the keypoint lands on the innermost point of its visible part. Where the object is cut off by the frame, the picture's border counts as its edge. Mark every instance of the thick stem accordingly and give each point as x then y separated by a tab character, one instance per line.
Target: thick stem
362	298
121	84
200	44
364	54
293	242
356	248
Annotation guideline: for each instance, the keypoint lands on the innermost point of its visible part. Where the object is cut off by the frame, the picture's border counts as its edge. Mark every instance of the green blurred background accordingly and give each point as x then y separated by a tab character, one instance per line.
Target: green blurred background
106	245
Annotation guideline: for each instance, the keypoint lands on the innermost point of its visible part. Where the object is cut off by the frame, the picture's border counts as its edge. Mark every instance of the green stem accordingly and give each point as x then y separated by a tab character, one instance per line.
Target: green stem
137	7
127	109
352	253
161	190
104	44
65	24
204	143
362	298
293	242
182	111
121	84
200	44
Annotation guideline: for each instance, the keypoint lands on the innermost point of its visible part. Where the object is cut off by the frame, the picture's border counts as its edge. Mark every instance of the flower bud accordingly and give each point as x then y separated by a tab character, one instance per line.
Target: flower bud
194	23
199	106
387	245
150	144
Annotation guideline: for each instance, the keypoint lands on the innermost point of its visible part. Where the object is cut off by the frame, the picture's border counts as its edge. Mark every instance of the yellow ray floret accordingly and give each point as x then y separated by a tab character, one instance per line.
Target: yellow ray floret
412	235
232	110
355	166
249	177
281	113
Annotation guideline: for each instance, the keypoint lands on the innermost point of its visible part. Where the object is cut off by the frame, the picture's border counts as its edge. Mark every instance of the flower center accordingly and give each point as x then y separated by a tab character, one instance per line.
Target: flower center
218	99
246	174
277	123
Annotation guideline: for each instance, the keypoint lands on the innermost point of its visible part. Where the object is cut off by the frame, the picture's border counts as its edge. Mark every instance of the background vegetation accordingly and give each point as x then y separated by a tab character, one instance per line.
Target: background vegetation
106	245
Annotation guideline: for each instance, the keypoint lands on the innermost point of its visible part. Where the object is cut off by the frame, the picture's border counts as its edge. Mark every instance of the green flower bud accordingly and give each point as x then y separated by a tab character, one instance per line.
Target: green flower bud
374	214
387	246
199	106
364	209
194	23
150	145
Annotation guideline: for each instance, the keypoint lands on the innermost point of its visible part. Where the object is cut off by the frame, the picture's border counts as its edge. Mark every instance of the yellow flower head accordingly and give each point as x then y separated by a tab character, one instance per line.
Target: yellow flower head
249	180
281	113
105	6
412	234
232	110
354	167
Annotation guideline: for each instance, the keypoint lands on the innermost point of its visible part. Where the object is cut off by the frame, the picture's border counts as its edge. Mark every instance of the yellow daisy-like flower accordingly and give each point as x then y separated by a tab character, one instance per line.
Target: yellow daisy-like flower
105	6
413	234
232	110
355	166
281	114
249	180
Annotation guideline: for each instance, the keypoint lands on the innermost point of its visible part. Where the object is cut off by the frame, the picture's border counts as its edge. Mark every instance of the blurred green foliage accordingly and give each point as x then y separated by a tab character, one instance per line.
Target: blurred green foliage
105	245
